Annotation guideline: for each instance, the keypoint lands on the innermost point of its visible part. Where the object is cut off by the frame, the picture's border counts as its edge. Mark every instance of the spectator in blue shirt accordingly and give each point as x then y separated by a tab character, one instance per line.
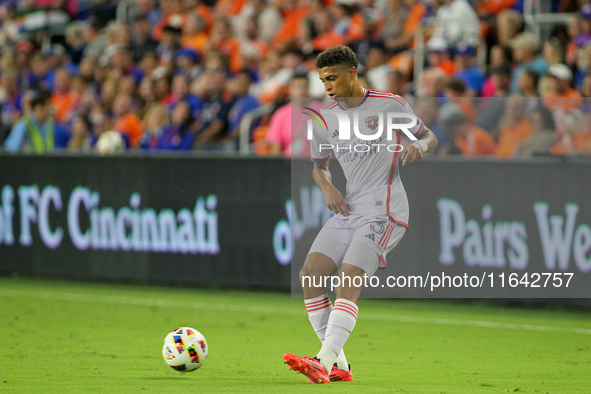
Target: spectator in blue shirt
178	136
243	104
525	53
467	71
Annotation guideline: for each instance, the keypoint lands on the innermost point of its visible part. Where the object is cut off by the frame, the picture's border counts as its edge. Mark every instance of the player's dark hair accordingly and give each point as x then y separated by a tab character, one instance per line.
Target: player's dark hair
337	55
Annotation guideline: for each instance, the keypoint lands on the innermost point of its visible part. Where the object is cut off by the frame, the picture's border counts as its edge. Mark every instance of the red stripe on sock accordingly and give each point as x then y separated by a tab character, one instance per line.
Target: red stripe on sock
345	310
309	304
349	308
318	307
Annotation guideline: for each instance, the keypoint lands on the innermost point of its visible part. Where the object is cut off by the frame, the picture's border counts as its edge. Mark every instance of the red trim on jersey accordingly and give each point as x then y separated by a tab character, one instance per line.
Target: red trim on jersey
331	105
389	234
398	100
385	232
320	160
361	100
390	223
401	98
383	262
390	231
392	167
420	128
401	223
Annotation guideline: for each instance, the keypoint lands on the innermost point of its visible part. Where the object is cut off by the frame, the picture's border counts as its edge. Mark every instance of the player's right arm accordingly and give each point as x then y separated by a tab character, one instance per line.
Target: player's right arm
332	196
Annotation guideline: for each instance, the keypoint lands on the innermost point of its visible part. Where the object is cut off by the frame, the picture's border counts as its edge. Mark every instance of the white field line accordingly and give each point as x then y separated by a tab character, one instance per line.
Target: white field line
48	295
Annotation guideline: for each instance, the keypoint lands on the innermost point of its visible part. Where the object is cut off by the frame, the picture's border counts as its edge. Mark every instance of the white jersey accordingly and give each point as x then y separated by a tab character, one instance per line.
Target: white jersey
374	186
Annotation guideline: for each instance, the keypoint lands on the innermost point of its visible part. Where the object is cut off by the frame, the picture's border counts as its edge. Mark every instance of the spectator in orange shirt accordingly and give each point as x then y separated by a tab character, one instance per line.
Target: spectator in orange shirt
438	55
325	34
174	16
229	7
366	20
516	127
416	12
468	139
563	96
293	14
127	123
194	34
222	38
63	99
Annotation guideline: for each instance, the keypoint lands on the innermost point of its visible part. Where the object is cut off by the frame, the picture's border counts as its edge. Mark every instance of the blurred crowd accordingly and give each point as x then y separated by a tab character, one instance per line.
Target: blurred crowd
185	75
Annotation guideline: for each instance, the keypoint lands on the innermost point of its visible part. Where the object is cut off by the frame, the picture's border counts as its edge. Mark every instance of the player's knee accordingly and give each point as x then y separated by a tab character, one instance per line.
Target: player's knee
316	271
308	271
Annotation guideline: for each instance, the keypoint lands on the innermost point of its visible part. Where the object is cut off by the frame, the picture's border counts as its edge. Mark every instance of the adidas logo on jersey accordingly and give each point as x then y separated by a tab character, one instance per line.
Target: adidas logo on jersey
335	134
371	236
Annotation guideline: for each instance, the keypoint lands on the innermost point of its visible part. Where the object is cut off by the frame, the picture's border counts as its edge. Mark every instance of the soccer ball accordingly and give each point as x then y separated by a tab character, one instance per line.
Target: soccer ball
110	143
184	349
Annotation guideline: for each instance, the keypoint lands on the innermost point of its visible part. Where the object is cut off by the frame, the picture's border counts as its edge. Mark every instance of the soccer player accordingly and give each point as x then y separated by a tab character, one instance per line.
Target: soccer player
368	222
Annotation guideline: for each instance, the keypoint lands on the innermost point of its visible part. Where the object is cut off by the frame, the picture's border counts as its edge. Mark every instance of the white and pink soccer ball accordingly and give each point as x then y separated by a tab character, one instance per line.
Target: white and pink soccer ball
185	349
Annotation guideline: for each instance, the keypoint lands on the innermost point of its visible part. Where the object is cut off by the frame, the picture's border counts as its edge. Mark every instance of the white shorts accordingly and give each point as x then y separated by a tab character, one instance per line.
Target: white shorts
359	240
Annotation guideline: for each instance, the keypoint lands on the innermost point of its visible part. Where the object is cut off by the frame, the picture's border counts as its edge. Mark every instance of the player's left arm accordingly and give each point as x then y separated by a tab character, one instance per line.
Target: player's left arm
415	150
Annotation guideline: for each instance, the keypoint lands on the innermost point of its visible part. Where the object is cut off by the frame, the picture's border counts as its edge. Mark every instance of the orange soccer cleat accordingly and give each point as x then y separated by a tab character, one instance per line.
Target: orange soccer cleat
309	366
338	375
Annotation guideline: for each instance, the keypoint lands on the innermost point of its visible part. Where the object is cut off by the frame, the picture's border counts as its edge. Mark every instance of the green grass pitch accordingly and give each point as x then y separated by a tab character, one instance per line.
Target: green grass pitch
61	337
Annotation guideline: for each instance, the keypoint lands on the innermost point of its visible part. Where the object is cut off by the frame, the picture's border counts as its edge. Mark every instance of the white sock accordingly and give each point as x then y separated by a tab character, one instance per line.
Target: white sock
327	357
340	325
342	361
319	309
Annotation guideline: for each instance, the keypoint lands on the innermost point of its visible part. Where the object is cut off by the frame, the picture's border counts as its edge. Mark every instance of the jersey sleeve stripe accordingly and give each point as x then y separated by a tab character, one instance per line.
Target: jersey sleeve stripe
398	99
320	160
401	99
420	128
